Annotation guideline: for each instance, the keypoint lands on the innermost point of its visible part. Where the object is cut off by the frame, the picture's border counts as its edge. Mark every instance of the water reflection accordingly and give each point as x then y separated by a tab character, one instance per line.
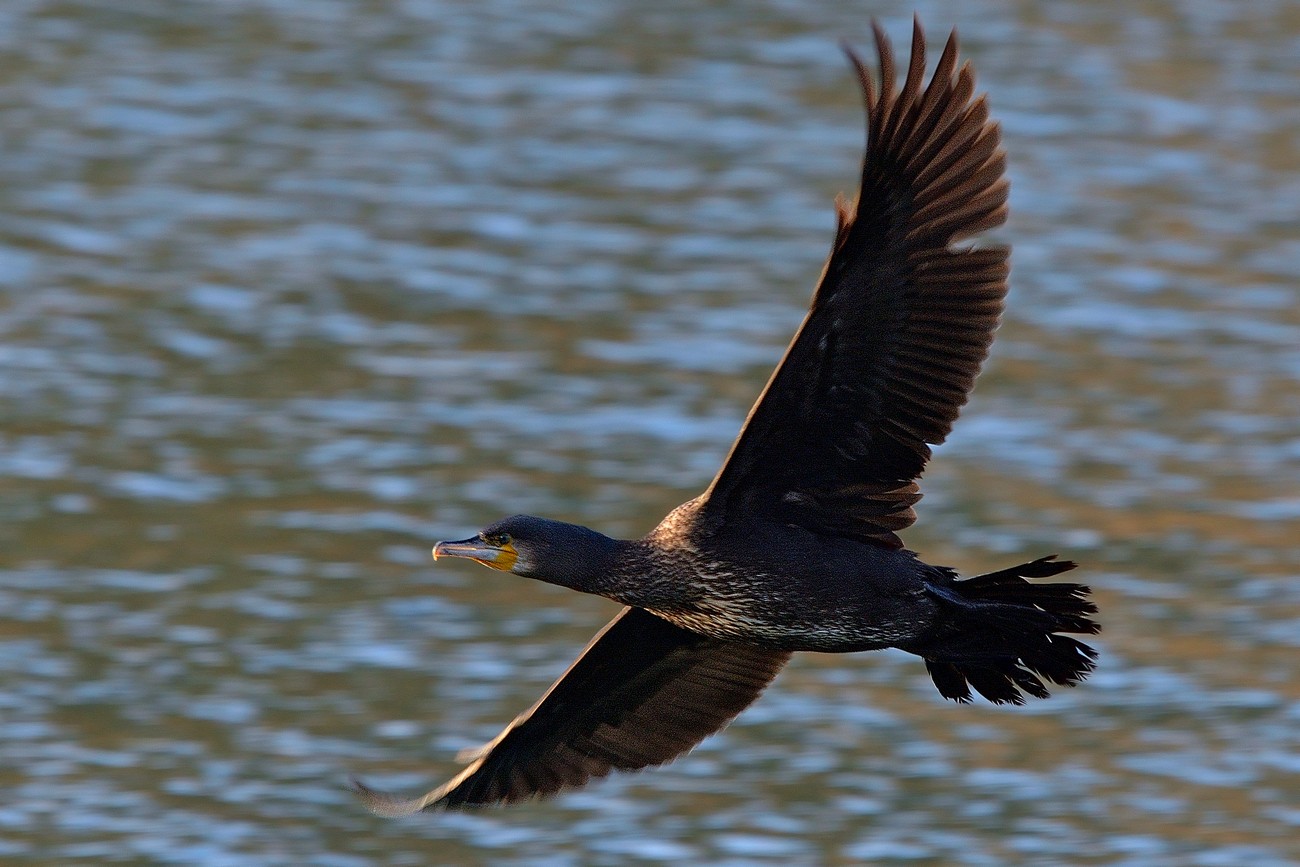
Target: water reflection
292	289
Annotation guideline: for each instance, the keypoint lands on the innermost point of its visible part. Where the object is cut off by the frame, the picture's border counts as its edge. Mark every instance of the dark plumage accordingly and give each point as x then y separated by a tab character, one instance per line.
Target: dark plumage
793	545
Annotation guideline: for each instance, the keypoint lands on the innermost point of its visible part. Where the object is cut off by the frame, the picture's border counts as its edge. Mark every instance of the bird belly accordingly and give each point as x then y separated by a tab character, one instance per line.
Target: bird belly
791	590
829	629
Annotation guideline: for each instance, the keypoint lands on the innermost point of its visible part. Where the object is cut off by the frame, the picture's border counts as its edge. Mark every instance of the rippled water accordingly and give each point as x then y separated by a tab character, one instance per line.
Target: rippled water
292	289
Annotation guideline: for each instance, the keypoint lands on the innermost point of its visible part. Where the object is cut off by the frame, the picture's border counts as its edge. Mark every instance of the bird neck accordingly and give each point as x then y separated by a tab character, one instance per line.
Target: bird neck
623	570
584	560
645	575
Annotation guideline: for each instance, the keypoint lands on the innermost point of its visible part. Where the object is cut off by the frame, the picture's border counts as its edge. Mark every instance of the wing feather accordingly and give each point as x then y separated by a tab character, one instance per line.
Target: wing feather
901	320
642	693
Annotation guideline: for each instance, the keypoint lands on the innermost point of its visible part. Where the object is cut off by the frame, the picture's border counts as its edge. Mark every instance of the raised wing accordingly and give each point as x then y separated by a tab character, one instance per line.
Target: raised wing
642	693
899	325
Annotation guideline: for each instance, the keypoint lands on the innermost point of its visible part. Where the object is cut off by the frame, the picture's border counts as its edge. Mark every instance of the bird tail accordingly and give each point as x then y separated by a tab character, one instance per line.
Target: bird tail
999	634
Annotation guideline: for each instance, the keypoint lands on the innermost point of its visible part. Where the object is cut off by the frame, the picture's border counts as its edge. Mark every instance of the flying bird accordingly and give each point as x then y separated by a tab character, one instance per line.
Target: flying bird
793	546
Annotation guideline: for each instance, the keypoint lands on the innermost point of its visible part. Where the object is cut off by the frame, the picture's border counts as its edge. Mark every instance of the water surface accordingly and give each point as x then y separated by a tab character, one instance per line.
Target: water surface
289	290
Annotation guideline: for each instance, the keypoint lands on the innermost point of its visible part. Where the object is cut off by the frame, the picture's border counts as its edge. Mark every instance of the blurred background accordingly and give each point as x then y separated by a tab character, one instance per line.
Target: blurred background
290	289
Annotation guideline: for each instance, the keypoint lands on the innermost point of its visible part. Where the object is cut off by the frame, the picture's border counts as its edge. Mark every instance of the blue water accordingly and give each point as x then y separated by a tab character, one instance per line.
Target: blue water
289	290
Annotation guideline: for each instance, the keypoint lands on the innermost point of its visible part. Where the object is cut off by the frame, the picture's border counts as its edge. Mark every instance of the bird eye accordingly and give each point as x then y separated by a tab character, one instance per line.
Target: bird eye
499	540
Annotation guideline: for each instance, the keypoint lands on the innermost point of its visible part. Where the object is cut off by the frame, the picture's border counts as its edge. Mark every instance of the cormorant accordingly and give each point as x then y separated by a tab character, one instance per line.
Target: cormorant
793	545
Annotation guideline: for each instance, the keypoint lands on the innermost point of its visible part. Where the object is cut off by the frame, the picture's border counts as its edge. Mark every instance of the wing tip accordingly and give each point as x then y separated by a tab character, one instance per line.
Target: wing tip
388	805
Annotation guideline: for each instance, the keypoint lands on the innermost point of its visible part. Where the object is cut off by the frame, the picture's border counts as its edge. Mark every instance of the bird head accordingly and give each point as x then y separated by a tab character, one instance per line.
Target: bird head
550	551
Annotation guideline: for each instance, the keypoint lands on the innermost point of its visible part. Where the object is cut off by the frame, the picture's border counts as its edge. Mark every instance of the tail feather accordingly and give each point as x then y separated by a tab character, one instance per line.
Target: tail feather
1000	635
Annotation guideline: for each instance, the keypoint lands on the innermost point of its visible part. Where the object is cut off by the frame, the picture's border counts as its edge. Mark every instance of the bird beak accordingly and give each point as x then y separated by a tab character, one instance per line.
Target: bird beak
476	549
